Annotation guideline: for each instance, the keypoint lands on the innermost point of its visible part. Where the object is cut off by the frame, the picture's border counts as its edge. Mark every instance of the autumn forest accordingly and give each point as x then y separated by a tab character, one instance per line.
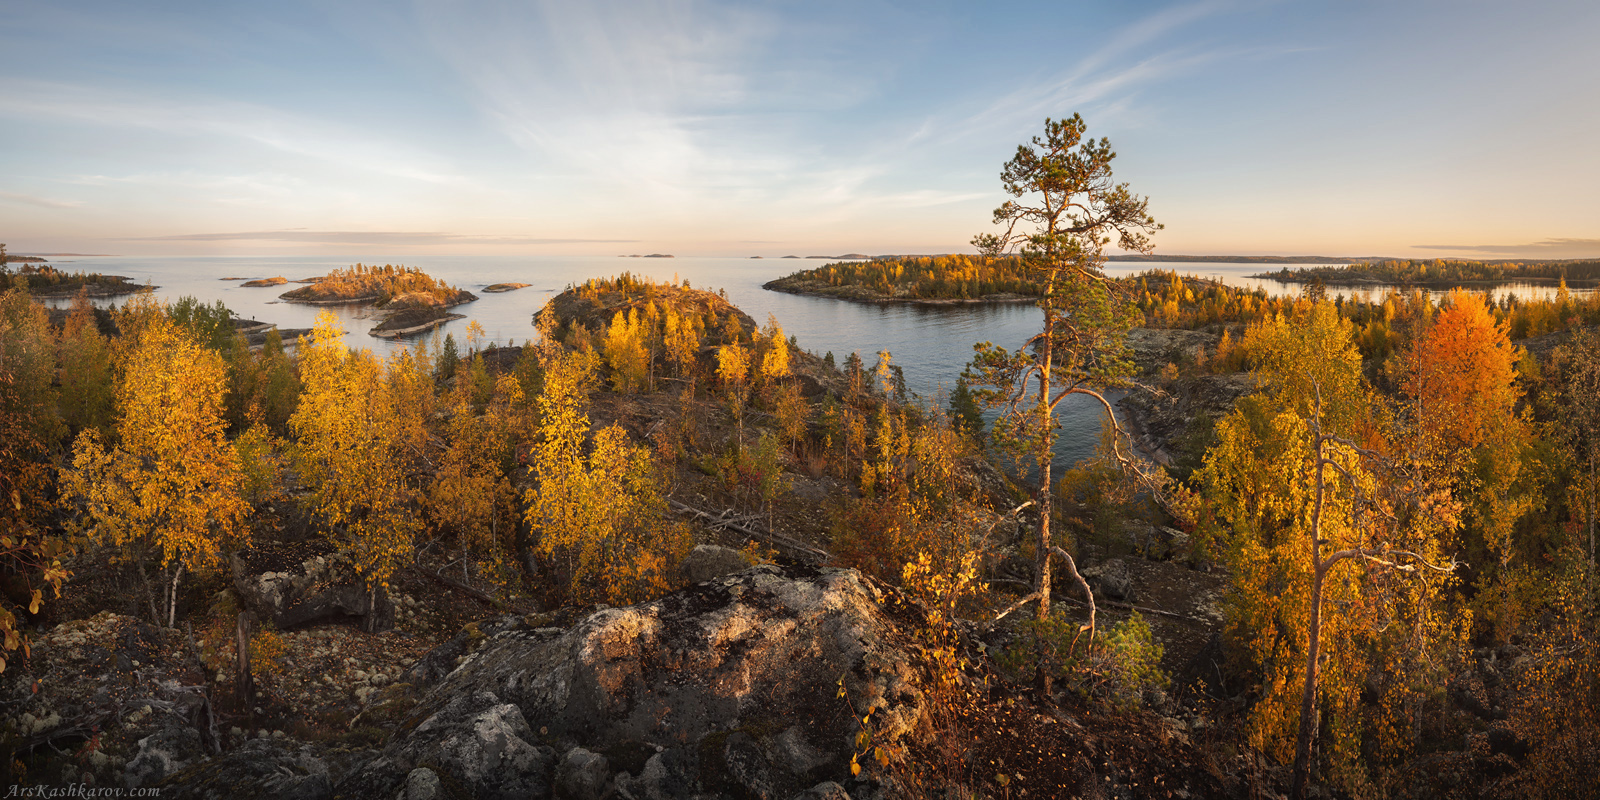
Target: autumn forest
1357	560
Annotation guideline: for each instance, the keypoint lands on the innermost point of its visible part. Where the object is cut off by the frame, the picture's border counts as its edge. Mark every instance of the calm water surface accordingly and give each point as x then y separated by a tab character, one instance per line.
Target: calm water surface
932	344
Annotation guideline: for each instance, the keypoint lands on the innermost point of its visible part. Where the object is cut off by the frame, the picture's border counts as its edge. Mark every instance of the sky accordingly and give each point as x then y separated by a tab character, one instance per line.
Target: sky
1340	127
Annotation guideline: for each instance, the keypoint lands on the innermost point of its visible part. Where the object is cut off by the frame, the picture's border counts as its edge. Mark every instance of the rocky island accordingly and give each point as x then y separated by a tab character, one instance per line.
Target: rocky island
264	282
416	302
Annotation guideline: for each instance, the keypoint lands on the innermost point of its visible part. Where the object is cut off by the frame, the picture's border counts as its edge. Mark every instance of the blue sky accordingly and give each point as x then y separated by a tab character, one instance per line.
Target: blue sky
1341	127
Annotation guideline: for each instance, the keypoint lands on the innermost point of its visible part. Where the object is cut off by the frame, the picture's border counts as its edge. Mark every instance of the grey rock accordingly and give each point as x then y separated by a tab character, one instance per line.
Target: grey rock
258	768
166	752
1167	543
421	784
582	775
708	561
791	752
754	658
1136	534
474	741
492	755
442	660
1154	348
827	790
748	766
1110	579
668	775
319	588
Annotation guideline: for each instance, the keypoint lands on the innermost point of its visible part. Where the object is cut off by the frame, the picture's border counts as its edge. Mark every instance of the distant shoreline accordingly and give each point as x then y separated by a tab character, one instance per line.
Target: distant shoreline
861	294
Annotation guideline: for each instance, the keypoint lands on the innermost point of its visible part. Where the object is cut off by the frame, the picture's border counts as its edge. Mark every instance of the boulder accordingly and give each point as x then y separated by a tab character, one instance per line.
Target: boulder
1136	535
1110	579
258	768
708	561
166	752
582	775
827	790
1167	544
728	688
421	784
317	588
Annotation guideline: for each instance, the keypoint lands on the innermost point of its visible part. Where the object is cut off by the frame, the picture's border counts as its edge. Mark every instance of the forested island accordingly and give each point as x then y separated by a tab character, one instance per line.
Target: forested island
930	279
45	280
1444	273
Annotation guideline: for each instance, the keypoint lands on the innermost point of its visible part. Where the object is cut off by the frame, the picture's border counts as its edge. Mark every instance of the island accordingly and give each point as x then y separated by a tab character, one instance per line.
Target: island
505	287
416	300
412	320
277	281
47	281
1444	273
927	280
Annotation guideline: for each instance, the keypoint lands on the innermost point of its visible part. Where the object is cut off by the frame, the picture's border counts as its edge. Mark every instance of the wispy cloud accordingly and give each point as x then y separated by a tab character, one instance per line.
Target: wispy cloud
1134	58
393	238
42	202
263	126
1549	248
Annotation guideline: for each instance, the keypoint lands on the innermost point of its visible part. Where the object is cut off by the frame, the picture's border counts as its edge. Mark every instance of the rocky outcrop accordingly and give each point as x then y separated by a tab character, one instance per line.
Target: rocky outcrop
1159	420
748	685
1154	348
317	588
708	561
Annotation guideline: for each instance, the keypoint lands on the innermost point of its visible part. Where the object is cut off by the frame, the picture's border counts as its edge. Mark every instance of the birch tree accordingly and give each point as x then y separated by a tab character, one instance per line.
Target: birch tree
170	490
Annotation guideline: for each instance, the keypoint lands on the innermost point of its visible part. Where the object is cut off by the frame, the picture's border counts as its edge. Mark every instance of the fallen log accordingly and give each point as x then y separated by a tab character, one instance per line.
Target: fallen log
802	550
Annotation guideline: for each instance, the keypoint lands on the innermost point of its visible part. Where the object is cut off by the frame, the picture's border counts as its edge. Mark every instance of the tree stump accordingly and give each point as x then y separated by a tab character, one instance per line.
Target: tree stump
243	684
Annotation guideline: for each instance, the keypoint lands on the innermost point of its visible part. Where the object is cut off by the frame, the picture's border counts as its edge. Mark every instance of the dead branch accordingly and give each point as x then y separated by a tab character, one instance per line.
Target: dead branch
1072	569
475	594
801	549
1014	606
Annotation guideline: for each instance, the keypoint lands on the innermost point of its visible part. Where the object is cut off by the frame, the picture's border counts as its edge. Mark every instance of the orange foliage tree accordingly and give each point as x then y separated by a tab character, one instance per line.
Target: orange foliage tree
1299	483
1460	374
29	556
1458	381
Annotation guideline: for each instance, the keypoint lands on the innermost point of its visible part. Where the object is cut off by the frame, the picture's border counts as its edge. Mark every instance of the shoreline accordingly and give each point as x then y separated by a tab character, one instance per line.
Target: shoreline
867	297
429	325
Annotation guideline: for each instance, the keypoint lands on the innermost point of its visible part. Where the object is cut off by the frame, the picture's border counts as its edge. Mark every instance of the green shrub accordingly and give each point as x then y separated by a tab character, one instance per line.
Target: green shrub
1117	667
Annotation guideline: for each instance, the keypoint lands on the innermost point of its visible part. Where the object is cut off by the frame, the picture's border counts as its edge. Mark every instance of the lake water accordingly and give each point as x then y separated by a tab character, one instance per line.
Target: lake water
932	344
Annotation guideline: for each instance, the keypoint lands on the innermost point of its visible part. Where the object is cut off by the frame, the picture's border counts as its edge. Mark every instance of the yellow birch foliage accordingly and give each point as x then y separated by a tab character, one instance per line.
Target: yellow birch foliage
87	385
627	353
775	359
682	341
347	451
470	494
602	517
1259	481
172	485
